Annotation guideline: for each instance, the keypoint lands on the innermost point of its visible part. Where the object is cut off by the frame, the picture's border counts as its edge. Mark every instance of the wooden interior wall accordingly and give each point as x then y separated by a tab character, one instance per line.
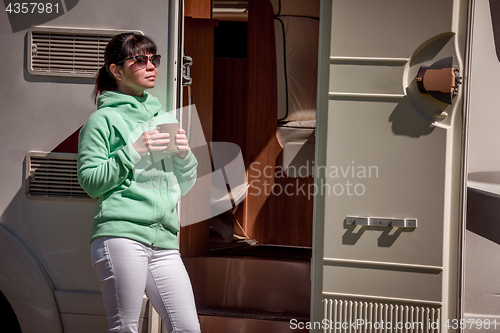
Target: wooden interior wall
198	8
230	85
242	108
199	44
274	218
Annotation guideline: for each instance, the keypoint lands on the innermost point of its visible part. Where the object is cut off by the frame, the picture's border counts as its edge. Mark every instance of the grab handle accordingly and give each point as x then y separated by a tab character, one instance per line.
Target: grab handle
381	222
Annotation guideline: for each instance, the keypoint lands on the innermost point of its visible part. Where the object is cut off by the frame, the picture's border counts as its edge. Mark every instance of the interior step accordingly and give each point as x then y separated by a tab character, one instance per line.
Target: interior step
222	320
261	251
249	314
251	288
214	324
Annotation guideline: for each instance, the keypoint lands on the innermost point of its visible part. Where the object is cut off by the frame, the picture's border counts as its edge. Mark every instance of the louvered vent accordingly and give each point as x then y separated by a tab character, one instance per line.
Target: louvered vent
53	175
67	52
344	315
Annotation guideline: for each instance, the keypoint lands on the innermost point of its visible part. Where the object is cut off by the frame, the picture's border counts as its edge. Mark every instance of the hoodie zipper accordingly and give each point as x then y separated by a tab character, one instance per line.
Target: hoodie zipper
159	187
165	177
162	208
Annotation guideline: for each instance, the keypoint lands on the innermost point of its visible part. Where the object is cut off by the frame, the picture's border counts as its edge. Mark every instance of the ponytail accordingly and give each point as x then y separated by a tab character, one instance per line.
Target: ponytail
104	81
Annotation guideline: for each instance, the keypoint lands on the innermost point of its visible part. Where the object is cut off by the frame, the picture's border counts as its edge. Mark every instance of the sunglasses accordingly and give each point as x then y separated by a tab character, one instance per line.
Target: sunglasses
142	60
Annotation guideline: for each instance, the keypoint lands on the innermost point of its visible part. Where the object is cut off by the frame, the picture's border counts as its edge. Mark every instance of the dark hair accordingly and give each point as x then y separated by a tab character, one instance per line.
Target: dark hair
120	47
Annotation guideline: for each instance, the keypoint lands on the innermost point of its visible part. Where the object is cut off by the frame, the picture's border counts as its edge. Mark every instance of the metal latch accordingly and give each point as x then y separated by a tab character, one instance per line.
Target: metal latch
186	71
440	80
381	222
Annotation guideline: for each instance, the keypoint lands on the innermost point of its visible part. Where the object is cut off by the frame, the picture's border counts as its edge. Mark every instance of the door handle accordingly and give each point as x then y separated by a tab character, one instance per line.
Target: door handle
440	80
381	222
187	62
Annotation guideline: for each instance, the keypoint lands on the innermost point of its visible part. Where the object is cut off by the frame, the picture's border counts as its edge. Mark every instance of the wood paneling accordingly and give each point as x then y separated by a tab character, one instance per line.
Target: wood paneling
230	100
285	218
198	8
230	85
199	44
261	147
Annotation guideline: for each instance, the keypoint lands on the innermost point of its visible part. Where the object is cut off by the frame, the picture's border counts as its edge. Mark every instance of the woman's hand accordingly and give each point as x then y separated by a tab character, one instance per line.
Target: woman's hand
182	143
151	141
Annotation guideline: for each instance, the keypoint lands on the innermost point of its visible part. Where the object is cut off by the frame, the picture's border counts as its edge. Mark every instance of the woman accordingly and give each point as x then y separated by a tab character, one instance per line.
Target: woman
122	160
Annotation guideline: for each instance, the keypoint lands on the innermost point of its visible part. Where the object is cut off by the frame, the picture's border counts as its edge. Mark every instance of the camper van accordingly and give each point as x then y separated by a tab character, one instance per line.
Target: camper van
363	133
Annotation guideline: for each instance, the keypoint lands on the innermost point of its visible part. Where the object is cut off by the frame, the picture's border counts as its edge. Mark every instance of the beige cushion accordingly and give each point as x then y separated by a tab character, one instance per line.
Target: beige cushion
297	32
298	150
294	134
297	59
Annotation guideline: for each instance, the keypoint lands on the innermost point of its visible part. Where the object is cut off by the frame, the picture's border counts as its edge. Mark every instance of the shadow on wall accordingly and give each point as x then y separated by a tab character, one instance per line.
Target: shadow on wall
386	239
407	122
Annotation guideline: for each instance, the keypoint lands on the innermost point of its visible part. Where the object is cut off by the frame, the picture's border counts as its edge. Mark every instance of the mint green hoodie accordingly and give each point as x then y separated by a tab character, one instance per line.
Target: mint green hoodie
136	196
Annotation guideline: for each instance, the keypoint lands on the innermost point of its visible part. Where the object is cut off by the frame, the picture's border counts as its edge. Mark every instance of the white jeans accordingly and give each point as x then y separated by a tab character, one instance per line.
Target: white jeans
126	269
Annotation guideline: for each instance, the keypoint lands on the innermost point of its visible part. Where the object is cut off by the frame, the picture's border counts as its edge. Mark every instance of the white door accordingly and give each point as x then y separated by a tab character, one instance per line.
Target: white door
481	303
389	166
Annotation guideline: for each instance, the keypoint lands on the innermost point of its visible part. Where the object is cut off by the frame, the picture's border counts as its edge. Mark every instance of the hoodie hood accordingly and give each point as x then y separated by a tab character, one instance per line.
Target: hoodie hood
135	108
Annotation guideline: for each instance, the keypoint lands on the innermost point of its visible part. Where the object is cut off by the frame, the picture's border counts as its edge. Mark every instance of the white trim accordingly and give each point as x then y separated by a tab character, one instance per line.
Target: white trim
371	60
348	95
